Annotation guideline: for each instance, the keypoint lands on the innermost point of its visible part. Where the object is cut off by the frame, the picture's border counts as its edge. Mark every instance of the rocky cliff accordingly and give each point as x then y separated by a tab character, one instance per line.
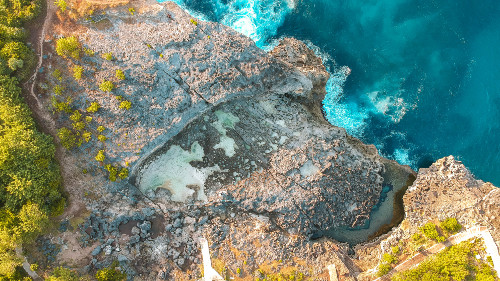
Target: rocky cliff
223	141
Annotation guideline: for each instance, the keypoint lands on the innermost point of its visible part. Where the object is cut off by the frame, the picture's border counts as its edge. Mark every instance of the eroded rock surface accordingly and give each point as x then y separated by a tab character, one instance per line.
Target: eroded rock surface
223	141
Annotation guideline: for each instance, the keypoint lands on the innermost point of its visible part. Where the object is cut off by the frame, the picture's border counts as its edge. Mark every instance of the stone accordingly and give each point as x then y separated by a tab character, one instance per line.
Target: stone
96	251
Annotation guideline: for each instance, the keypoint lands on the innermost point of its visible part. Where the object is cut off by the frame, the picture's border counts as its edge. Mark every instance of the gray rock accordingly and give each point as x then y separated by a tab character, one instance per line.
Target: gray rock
136	230
96	251
122	258
145	226
177	223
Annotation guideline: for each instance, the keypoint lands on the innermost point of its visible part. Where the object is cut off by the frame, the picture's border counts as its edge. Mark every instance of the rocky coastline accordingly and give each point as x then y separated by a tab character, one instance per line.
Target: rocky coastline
226	142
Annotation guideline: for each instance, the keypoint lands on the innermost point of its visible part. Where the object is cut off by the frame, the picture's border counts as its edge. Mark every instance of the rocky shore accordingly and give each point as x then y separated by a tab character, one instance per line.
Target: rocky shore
227	142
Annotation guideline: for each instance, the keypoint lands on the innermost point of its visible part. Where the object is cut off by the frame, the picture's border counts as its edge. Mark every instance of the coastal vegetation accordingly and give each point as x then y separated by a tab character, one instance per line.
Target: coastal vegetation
30	180
457	262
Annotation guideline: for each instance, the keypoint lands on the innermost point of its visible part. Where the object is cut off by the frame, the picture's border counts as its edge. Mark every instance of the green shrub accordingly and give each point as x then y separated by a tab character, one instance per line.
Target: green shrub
119	74
63	274
76	116
450	225
67	137
89	52
123	173
106	86
388	258
68	47
453	263
77	72
79	125
110	274
131	11
57	74
61	106
102	138
108	56
113	171
58	89
100	129
430	231
383	269
395	250
125	105
100	157
94	107
87	136
194	22
88	119
61	4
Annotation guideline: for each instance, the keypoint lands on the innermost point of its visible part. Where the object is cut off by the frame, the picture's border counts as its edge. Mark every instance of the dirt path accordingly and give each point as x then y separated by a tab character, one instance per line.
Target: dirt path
36	105
476	231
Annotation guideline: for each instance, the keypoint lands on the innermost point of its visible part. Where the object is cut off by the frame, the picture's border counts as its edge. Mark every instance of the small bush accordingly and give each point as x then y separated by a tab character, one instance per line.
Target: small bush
63	274
58	89
79	125
89	52
119	74
131	11
108	56
77	72
100	129
123	173
388	258
125	105
430	231
61	106
102	138
76	116
67	138
106	86
194	22
87	136
110	274
57	74
88	119
450	225
68	47
100	157
94	107
395	250
383	269
113	171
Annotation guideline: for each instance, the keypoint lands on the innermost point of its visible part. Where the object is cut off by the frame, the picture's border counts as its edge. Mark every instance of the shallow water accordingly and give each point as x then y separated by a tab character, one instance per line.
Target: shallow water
424	80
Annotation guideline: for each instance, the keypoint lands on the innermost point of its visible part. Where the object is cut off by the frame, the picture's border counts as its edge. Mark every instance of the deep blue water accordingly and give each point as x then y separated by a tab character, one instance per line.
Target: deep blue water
425	74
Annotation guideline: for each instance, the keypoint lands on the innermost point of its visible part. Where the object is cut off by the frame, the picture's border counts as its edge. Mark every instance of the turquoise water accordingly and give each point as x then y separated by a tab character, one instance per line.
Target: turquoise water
424	77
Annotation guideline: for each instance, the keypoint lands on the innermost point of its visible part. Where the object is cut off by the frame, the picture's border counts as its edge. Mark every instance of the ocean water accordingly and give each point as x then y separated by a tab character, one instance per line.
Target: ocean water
420	79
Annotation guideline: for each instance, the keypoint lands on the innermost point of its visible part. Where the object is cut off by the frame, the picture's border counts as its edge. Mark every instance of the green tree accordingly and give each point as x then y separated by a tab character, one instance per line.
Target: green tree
68	47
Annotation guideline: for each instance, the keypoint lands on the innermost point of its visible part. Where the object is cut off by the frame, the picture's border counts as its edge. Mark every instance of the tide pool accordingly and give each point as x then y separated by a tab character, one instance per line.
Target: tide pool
424	75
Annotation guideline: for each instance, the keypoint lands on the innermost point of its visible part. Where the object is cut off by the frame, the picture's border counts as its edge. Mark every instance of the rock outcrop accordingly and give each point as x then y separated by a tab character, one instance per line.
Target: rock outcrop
223	141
